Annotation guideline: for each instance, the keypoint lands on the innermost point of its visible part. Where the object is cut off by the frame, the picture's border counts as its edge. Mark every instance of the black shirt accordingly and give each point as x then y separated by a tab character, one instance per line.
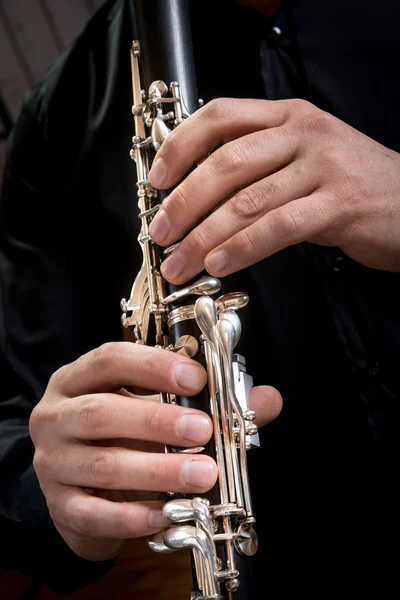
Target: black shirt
321	328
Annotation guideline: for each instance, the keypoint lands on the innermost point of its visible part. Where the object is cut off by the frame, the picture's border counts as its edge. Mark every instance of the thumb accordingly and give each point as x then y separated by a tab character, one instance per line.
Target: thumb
267	402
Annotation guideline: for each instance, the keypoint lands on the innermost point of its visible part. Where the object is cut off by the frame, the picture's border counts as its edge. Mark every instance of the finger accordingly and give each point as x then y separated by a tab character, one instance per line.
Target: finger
266	401
110	416
113	468
234	166
216	123
135	392
86	515
237	213
295	222
123	364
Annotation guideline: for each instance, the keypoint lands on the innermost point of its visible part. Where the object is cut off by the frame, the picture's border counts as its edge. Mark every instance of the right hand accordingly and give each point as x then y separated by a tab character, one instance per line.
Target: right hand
98	454
99	450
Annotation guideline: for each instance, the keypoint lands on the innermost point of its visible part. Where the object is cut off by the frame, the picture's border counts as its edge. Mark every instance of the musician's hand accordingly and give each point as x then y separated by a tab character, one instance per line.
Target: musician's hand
286	172
99	452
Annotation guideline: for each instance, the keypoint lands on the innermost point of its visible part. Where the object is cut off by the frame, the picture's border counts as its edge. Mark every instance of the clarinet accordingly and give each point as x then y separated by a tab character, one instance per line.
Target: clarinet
217	527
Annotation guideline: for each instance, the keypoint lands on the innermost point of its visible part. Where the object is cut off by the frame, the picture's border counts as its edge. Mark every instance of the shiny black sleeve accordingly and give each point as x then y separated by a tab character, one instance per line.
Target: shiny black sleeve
37	309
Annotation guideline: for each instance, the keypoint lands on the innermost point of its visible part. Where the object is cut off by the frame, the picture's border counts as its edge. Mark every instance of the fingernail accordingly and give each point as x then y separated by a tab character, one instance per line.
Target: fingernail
190	376
217	261
174	265
157	519
199	473
158	173
160	226
194	428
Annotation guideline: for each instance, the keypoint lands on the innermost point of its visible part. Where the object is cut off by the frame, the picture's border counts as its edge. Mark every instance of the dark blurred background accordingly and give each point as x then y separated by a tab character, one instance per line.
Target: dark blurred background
32	34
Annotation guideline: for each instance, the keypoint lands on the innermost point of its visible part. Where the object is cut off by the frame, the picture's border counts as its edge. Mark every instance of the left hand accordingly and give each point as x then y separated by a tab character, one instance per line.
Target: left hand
283	172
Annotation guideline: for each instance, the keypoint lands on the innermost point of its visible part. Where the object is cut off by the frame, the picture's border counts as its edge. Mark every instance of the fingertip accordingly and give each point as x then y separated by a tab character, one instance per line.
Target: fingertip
157	519
190	376
158	173
267	402
195	427
217	262
200	474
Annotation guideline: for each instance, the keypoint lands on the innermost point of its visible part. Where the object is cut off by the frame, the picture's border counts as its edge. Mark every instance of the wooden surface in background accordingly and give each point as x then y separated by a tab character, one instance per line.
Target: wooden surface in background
32	34
141	574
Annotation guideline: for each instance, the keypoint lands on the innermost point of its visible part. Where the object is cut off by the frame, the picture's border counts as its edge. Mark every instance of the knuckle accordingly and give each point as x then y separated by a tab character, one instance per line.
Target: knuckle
45	465
218	109
81	518
337	198
230	158
124	526
324	122
298	106
332	196
287	222
35	420
55	502
105	354
154	419
104	468
150	368
319	122
159	474
245	243
251	203
199	239
94	412
178	198
333	159
56	499
58	377
39	460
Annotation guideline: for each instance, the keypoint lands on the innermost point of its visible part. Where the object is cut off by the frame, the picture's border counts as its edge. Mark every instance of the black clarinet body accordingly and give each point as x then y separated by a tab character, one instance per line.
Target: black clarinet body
218	527
164	31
